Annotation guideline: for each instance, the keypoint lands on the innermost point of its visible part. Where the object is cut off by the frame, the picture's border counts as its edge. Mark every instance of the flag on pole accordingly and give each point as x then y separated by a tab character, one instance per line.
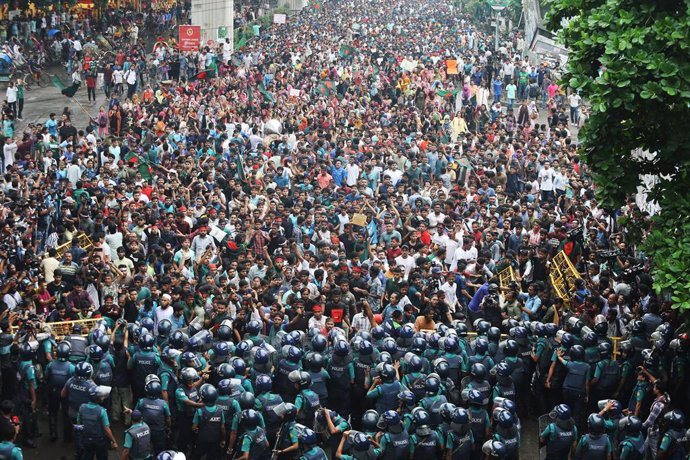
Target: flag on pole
447	93
347	51
204	75
57	82
317	6
242	43
267	95
325	88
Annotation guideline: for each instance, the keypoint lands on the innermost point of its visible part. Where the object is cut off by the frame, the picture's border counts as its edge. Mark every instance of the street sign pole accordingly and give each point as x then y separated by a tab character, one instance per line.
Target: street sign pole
497	9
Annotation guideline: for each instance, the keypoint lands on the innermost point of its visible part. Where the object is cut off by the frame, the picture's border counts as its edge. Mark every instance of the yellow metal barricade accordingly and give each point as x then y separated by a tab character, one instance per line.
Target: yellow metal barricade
84	243
506	276
63	328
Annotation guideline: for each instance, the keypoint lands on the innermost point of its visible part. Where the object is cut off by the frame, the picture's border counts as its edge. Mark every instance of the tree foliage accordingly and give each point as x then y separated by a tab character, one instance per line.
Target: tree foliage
631	60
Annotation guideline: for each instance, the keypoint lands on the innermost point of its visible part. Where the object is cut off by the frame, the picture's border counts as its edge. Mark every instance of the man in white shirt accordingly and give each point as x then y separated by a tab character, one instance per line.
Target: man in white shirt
465	253
353	172
574	101
546	178
11	94
9	151
405	261
131	78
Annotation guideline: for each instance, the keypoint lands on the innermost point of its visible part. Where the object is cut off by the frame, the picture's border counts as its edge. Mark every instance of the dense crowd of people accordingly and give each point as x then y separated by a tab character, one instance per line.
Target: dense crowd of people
292	250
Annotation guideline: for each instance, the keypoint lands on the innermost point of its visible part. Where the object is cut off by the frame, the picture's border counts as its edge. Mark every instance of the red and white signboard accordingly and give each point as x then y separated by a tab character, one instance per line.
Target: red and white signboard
190	38
279	18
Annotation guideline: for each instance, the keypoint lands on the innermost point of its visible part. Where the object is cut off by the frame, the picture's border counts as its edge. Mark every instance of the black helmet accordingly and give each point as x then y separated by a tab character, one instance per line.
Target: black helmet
511	348
250	418
226	371
637	327
63	350
146	342
596	424
306	437
481	346
153	389
247	400
179	339
632	425
577	353
432	385
319	343
26	353
442	368
482	327
478	371
315	362
189	375
224	333
605	350
415	364
253	327
388	372
493	334
675	419
369	420
208	393
626	346
290	412
164	327
341	348
83	370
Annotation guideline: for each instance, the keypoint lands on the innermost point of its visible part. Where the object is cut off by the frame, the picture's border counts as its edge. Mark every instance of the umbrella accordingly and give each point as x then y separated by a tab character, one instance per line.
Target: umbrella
53	32
6	58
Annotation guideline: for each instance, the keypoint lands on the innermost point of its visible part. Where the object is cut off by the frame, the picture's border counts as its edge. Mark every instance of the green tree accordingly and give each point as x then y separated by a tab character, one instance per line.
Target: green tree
631	60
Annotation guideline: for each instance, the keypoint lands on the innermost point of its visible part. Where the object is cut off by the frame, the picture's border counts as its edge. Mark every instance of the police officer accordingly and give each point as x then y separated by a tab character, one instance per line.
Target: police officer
269	402
8	449
433	401
188	401
477	380
459	439
508	433
560	435
596	444
78	344
541	355
308	442
76	390
362	447
287	444
168	376
414	379
209	424
384	389
335	425
155	411
137	444
253	443
57	373
142	363
479	418
93	427
319	377
576	382
425	443
672	446
341	371
26	397
606	373
307	402
394	443
288	363
365	358
504	387
164	329
103	368
632	445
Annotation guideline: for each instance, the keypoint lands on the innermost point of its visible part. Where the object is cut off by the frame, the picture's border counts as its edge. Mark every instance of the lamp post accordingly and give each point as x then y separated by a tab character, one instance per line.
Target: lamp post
497	9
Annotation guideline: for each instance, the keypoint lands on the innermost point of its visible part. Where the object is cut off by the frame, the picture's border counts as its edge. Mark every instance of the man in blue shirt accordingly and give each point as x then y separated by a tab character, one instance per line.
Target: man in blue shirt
532	303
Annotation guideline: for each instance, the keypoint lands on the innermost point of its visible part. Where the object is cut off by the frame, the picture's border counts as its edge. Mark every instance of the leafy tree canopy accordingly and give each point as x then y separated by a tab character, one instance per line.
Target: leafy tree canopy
631	60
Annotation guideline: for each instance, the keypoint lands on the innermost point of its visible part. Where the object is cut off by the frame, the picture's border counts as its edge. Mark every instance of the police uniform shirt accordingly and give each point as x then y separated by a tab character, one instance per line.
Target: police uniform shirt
28	374
198	415
549	432
129	440
104	415
16	452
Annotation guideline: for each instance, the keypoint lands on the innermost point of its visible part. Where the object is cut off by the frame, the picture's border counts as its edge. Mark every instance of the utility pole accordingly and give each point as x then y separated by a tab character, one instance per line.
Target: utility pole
497	10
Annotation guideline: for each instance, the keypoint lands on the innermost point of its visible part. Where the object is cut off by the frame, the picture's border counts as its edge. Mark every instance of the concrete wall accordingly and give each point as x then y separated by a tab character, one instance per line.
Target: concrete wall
211	14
